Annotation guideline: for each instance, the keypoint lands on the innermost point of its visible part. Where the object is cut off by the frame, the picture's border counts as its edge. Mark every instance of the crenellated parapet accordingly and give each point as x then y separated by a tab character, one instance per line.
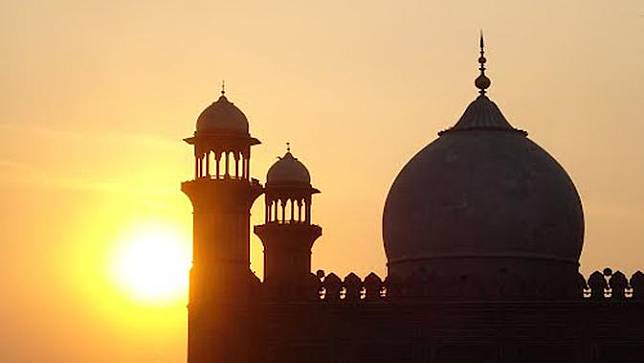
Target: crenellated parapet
603	285
614	285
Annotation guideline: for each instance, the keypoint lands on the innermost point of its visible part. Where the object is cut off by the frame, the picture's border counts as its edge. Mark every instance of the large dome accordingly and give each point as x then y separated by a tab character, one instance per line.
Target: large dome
480	200
222	116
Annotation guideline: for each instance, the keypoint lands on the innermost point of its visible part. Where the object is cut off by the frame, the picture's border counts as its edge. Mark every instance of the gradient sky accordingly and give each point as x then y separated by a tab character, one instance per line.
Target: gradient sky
96	96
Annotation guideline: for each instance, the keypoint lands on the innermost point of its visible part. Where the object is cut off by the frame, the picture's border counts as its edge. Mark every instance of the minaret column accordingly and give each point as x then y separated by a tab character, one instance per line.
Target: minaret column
287	243
223	290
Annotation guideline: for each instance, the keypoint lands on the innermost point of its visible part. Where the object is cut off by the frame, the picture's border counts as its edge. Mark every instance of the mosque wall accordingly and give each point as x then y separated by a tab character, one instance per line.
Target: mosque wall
416	330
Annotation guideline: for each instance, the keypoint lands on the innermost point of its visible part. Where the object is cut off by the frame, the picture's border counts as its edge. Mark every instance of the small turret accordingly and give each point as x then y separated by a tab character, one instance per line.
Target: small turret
287	234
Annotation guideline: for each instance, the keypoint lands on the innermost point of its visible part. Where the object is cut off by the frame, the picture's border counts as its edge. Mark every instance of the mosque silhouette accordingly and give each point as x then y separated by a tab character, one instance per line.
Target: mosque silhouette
482	229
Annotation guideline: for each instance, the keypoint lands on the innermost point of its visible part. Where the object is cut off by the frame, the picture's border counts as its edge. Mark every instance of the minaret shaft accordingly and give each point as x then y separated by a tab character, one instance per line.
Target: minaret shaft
222	285
287	252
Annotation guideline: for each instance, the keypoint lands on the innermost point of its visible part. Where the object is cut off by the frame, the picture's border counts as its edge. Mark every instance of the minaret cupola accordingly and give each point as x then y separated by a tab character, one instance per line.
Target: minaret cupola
287	234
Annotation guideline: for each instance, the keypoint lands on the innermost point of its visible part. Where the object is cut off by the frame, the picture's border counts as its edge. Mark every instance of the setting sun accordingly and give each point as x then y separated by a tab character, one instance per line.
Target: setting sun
151	264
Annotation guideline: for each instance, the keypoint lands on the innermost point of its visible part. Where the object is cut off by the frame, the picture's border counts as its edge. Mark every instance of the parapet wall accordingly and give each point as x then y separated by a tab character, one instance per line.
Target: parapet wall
605	285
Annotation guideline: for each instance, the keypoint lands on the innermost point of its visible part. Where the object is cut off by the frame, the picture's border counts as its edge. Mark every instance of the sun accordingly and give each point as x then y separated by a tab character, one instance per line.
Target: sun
151	263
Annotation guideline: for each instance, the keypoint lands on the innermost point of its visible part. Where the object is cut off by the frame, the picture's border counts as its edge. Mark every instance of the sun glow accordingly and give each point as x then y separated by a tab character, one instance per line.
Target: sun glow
151	264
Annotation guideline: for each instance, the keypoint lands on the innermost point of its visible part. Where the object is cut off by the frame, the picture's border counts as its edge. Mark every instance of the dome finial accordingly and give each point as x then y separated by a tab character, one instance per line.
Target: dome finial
223	87
482	82
481	41
288	147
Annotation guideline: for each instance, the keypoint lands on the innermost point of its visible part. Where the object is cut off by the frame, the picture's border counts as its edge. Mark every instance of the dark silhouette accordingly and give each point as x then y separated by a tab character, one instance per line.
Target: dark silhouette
288	234
483	230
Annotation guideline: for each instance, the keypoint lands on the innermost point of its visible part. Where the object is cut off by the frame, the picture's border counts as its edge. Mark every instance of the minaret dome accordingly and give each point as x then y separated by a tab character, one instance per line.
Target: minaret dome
288	170
222	116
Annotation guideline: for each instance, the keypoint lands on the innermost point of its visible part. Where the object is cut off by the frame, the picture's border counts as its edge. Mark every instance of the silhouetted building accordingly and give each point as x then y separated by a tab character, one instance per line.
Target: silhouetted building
483	230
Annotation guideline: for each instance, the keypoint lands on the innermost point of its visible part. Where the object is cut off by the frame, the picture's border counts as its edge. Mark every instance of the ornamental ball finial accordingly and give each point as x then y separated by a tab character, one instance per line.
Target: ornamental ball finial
482	82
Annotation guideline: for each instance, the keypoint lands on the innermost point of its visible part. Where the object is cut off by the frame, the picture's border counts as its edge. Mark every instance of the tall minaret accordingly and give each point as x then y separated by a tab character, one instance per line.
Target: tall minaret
287	234
222	192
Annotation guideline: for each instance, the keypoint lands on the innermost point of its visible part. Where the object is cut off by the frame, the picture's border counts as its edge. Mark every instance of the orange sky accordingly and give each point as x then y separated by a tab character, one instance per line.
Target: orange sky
97	95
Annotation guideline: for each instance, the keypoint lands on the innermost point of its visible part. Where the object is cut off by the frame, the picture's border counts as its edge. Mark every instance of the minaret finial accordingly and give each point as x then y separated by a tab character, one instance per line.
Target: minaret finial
288	147
482	82
223	87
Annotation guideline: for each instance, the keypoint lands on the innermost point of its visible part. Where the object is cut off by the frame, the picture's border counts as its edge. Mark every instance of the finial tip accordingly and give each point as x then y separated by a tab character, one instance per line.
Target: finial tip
223	87
481	40
482	82
288	147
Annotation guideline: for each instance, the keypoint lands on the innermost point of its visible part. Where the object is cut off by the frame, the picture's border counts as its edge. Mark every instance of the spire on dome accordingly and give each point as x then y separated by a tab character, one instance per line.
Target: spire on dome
482	113
223	87
482	82
288	147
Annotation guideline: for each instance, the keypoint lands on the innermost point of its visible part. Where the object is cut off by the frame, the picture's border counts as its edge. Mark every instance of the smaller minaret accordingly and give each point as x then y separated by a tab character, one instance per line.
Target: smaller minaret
287	234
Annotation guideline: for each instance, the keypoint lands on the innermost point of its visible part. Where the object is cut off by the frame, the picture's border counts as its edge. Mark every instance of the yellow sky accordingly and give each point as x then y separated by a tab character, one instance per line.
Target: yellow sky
97	95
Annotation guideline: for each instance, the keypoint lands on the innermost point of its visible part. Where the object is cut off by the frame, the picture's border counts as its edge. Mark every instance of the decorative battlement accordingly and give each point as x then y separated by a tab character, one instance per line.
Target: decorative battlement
600	286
